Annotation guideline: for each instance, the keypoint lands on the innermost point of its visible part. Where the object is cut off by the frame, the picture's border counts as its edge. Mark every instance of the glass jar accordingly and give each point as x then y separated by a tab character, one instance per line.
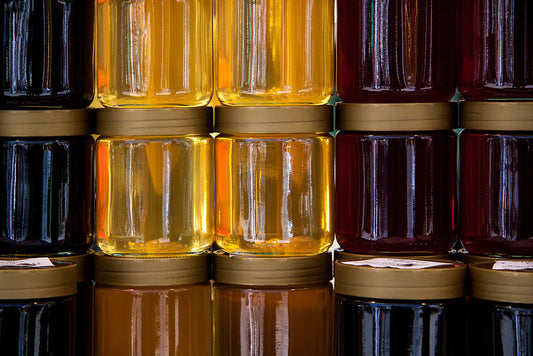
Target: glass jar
497	43
501	310
154	181
37	309
46	160
396	178
413	311
155	306
47	58
272	306
272	52
84	301
496	173
274	179
154	53
396	51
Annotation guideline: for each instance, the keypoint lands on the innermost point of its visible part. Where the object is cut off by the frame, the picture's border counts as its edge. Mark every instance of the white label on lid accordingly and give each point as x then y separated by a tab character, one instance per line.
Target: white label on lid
397	263
29	262
512	265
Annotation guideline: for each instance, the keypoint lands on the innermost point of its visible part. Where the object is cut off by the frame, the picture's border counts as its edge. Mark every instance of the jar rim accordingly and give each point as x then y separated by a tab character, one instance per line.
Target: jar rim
157	271
441	282
154	121
396	116
274	119
46	123
271	271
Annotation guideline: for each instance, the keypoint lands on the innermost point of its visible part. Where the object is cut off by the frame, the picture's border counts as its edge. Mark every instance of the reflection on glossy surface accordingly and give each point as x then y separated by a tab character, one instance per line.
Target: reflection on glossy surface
274	193
153	321
47	57
396	50
496	193
509	327
154	195
39	328
497	47
154	52
273	321
275	51
395	192
46	206
372	327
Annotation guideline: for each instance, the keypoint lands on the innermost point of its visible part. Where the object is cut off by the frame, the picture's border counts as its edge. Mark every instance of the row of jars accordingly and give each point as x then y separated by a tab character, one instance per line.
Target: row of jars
267	306
156	172
159	52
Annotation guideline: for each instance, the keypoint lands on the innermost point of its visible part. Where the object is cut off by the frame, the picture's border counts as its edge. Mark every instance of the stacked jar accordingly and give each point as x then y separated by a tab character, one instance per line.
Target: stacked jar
46	157
274	177
154	183
395	170
496	79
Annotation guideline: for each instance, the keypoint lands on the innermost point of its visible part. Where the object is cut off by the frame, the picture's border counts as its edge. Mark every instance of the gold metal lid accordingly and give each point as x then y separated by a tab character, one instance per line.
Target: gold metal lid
500	285
396	116
45	123
497	115
144	272
271	271
21	283
443	282
273	119
84	265
154	122
339	254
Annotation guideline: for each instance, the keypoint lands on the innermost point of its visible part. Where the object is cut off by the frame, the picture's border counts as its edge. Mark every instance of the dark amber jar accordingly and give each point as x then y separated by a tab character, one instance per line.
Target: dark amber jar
496	173
37	310
395	178
497	42
395	51
46	164
273	305
47	57
403	311
500	310
152	306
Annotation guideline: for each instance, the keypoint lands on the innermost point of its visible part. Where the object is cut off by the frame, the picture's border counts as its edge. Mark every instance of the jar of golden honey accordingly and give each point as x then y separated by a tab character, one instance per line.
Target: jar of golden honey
274	178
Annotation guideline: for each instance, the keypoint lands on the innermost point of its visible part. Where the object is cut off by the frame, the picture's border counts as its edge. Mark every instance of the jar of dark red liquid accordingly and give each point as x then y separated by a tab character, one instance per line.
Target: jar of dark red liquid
396	51
47	56
37	308
396	178
501	308
46	182
497	43
496	175
389	306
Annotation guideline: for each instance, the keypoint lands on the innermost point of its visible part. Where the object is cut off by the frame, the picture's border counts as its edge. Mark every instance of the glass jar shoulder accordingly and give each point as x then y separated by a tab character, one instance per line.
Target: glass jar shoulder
396	135
323	137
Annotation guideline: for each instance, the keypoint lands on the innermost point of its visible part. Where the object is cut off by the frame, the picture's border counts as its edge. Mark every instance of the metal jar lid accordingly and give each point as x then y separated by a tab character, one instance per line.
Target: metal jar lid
84	265
501	285
154	122
45	123
497	115
23	283
443	282
271	271
273	119
396	116
340	254
145	272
